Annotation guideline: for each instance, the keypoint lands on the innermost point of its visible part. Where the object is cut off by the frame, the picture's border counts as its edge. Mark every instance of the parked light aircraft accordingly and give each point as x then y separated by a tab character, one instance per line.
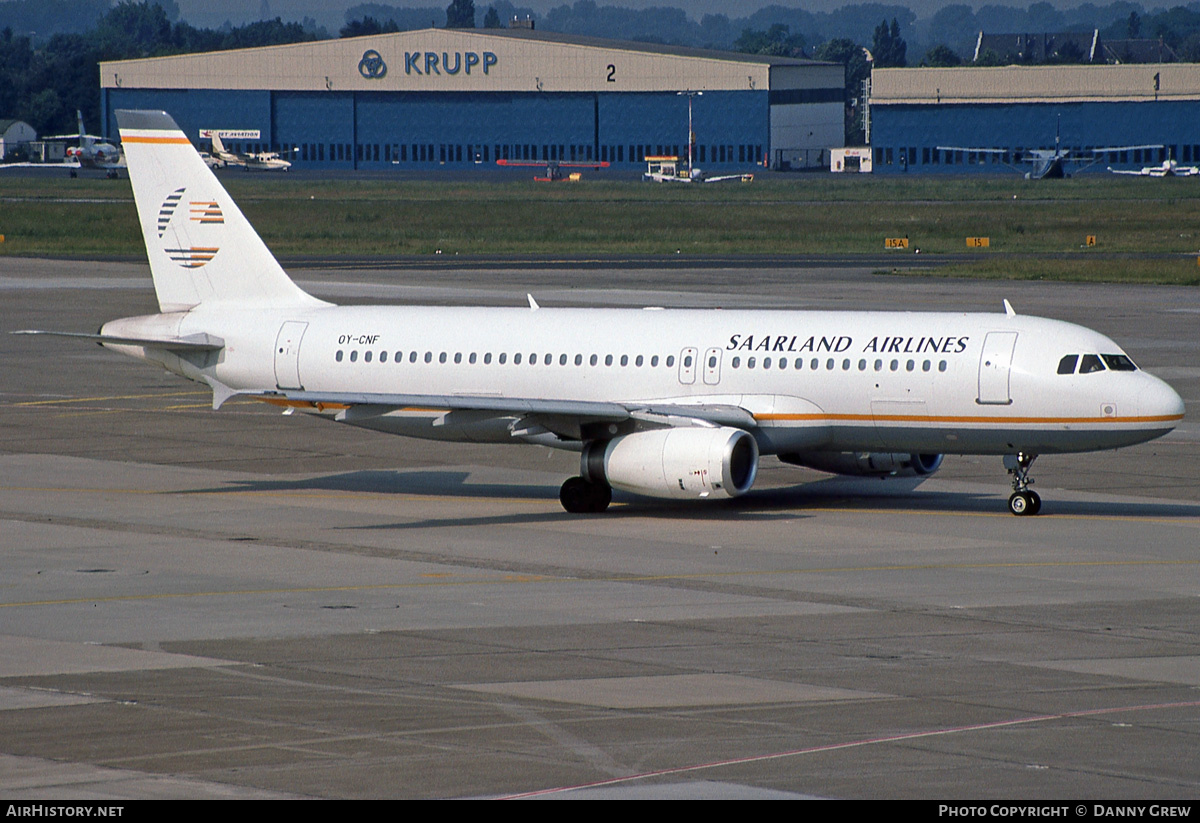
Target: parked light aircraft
260	161
664	403
665	169
1050	164
1168	168
554	169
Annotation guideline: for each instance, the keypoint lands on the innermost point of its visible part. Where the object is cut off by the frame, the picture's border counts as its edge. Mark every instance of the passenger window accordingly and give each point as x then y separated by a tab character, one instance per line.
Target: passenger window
517	359
458	357
910	365
383	357
487	358
1119	362
670	361
608	359
367	356
654	360
799	363
846	364
736	362
442	357
862	365
926	366
687	362
338	356
471	359
579	360
766	362
895	365
503	357
829	364
750	362
638	361
1067	364
398	356
815	364
878	365
593	360
1090	363
354	356
941	365
624	360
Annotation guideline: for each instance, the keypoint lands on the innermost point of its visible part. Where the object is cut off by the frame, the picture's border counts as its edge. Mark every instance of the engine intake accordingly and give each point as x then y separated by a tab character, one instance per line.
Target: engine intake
681	463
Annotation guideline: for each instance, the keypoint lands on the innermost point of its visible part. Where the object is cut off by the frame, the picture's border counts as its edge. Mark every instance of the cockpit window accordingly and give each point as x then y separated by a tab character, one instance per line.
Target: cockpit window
1090	363
1119	362
1067	364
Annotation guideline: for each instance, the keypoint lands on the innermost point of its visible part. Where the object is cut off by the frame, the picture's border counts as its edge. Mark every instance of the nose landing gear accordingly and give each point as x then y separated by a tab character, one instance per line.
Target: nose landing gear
1023	502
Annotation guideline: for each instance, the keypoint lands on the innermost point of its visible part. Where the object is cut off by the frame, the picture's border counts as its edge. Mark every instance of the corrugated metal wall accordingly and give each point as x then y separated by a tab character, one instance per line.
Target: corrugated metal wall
905	138
427	129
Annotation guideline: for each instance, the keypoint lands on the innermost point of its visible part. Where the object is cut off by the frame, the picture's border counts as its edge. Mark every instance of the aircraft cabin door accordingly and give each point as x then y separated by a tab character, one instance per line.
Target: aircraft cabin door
687	365
712	366
995	366
287	355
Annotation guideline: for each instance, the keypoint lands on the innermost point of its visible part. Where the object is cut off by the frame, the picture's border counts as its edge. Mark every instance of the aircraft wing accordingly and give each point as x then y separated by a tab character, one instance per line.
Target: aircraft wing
1135	173
73	164
1100	149
362	405
971	148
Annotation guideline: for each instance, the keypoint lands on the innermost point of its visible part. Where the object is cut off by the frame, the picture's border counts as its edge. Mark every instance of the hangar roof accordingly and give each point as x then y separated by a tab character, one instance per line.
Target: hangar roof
1037	84
468	60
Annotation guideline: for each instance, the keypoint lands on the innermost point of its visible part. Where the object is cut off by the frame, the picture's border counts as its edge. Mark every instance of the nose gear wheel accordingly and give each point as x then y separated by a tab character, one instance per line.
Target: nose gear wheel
1023	502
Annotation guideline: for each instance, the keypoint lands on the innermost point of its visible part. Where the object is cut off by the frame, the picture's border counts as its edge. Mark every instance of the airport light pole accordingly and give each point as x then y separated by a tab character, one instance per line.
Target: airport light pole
691	135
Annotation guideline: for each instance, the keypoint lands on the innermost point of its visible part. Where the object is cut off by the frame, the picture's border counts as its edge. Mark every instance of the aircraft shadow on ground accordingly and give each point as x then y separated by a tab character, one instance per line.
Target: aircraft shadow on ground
787	502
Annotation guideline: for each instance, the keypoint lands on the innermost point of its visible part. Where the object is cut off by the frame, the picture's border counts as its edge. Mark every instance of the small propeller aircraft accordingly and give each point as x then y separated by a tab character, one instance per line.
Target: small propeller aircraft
1168	168
1050	164
554	169
260	161
665	169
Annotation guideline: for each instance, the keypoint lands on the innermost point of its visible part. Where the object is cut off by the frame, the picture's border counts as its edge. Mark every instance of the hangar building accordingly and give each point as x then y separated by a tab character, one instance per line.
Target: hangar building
461	96
913	112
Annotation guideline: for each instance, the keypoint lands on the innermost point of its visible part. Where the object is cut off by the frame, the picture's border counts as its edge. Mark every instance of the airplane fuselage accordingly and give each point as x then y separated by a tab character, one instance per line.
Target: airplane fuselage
813	381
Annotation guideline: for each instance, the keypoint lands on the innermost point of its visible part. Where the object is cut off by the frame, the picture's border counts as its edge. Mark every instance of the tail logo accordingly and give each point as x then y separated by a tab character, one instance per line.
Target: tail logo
167	210
201	213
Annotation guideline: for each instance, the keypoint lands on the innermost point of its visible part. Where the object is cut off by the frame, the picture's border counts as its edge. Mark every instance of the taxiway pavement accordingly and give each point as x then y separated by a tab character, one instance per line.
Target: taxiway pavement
240	604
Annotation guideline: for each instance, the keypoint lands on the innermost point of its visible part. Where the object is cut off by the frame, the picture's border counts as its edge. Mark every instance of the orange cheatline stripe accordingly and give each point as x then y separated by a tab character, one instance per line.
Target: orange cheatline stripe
135	139
916	418
859	418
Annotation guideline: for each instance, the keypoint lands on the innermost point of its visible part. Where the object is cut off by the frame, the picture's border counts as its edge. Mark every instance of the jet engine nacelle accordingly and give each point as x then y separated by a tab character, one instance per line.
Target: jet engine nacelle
682	463
867	464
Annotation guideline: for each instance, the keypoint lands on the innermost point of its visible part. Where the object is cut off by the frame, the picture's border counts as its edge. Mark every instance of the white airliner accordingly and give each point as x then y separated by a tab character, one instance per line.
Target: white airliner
664	403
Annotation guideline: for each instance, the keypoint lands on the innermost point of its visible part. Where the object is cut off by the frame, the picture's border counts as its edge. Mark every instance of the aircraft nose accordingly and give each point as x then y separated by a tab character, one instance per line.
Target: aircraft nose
1159	401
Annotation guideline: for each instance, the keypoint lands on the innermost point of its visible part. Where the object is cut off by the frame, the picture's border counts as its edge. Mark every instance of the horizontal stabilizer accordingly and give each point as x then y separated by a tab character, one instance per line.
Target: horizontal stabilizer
192	342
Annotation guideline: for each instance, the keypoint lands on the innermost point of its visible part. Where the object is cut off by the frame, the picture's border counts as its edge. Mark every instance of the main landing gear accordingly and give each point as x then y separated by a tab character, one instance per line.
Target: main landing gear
1023	501
579	496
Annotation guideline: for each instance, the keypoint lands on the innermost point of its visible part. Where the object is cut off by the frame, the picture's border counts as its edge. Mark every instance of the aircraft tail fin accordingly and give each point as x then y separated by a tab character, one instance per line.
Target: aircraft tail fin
218	146
202	249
